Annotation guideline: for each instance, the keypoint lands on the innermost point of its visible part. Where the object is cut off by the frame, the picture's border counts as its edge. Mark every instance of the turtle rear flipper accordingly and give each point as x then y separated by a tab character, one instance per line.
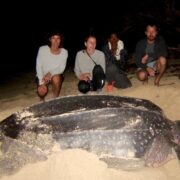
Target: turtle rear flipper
124	164
159	153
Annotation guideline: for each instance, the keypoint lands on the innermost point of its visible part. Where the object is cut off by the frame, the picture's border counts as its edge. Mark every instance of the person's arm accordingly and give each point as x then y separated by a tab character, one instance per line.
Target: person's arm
102	62
123	55
77	70
76	67
162	48
138	55
109	57
81	76
39	67
64	62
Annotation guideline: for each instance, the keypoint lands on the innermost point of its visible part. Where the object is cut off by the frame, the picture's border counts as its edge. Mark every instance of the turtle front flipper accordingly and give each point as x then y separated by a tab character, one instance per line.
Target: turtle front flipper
14	154
176	138
159	153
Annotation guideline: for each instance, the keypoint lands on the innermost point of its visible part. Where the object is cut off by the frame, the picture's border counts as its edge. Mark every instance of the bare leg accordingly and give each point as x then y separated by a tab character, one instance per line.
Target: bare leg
42	91
142	75
161	67
56	84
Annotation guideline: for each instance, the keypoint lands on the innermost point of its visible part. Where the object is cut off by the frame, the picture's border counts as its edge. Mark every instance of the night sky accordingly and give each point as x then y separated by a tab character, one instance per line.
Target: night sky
24	27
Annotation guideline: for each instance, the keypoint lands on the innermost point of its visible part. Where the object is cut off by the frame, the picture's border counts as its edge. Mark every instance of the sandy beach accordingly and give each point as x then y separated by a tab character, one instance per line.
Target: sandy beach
76	164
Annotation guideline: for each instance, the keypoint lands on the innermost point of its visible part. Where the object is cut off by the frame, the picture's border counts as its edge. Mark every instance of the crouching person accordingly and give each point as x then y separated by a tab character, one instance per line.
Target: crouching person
50	65
85	62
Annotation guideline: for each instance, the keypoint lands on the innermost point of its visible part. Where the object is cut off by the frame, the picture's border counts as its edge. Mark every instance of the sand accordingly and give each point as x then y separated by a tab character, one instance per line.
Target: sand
76	164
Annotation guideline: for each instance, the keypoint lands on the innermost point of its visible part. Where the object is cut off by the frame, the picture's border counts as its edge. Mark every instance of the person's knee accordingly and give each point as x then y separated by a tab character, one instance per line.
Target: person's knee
42	90
56	79
162	61
142	75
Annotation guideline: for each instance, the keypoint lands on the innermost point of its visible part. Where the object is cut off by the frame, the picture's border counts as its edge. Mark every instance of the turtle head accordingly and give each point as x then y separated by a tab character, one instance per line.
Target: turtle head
176	137
176	132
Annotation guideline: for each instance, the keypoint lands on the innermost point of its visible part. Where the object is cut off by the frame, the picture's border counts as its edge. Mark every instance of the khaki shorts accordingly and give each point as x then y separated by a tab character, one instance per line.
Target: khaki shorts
150	64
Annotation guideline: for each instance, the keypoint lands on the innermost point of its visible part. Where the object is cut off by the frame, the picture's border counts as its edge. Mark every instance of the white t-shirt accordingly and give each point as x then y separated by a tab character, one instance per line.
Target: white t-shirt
120	46
47	62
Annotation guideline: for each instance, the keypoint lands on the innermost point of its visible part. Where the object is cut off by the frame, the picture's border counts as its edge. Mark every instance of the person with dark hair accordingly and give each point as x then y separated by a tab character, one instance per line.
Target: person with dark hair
84	63
150	55
115	52
116	60
50	64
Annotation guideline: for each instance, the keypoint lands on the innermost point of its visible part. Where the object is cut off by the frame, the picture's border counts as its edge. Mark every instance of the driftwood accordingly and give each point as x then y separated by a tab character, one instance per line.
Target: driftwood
174	49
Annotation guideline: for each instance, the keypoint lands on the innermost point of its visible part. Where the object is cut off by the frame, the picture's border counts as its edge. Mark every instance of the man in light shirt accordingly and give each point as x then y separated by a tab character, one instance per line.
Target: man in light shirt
50	65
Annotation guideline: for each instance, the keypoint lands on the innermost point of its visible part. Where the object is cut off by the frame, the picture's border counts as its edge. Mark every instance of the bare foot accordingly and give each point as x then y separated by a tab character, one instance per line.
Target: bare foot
156	81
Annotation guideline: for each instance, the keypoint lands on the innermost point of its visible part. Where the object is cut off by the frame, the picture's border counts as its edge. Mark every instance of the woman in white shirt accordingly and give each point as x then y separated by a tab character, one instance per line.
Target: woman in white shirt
84	64
50	65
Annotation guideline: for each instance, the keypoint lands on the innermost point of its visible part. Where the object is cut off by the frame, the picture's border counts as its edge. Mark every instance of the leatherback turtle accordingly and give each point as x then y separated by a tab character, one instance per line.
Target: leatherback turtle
124	132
